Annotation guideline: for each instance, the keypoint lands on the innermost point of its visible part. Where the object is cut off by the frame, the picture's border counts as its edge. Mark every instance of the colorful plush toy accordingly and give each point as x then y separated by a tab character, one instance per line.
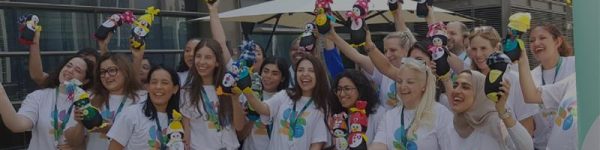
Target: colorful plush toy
226	86
92	119
142	28
422	10
238	79
339	130
498	63
358	126
512	44
308	39
439	50
324	15
175	132
111	24
28	25
356	23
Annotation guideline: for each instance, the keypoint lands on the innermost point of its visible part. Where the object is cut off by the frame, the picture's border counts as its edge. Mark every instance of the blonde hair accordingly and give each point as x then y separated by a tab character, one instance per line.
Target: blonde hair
488	33
425	112
406	38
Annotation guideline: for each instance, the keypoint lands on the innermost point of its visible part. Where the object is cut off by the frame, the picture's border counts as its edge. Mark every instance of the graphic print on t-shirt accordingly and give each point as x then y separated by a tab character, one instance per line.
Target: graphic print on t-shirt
567	113
401	142
392	100
62	116
154	142
288	118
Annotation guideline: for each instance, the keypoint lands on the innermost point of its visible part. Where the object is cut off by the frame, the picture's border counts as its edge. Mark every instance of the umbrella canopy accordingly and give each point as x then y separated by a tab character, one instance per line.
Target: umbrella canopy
296	13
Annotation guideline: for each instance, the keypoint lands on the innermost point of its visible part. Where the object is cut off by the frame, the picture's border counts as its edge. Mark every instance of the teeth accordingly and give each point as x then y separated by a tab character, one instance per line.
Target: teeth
158	94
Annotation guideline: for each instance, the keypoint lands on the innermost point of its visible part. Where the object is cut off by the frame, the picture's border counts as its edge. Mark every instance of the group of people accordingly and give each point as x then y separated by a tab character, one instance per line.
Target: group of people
394	101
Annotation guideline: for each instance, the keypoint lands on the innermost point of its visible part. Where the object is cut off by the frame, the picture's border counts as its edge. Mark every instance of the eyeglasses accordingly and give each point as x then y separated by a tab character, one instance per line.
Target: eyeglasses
347	90
110	71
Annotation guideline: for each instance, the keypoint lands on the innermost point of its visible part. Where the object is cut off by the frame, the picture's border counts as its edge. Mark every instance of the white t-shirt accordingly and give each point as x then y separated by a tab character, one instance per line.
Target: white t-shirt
562	97
515	102
258	138
545	118
38	107
99	141
134	130
310	126
204	134
431	137
182	77
386	89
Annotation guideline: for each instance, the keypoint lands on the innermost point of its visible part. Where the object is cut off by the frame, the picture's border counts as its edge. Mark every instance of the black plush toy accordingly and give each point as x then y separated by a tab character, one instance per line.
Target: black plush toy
111	24
356	23
308	39
324	16
28	24
422	10
439	50
498	64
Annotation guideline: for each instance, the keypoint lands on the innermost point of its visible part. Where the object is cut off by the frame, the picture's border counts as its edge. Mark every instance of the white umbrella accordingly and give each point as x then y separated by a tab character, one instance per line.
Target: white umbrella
296	13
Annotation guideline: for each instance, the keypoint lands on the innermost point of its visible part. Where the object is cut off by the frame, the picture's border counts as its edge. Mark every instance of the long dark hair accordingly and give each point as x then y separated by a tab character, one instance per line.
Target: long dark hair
365	90
195	82
53	79
283	66
173	104
131	82
321	91
182	67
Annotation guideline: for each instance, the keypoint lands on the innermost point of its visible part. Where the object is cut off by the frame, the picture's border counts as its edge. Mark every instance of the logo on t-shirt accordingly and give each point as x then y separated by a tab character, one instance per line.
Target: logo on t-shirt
567	113
391	94
62	116
402	142
155	139
286	129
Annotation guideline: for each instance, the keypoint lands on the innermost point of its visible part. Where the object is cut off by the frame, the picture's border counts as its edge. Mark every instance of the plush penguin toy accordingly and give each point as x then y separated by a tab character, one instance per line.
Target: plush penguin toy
142	28
422	10
308	39
339	130
111	24
358	126
175	132
512	45
356	23
28	24
498	63
92	119
439	50
210	1
324	16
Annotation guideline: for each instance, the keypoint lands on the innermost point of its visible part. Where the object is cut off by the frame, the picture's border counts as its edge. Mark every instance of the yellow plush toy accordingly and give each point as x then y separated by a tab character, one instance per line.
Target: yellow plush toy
142	28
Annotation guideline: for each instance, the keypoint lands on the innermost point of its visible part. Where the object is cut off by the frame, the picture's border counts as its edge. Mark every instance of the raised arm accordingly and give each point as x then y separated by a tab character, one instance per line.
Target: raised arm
360	59
239	118
530	92
36	70
399	22
137	58
260	107
430	18
379	60
103	44
216	29
13	121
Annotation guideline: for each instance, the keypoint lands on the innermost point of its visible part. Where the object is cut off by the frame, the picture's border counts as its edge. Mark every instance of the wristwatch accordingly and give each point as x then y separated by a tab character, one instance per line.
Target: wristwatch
504	115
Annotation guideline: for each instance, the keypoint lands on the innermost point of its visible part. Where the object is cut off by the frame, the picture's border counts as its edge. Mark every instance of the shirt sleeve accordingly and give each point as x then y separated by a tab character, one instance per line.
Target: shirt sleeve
274	103
520	137
554	93
123	128
521	109
333	59
380	135
31	106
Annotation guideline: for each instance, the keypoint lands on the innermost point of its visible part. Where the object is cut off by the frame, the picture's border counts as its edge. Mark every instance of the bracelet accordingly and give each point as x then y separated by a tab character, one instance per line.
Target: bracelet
504	115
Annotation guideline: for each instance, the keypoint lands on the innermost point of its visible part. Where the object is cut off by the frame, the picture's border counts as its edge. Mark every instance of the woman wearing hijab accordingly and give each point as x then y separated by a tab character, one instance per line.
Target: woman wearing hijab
479	123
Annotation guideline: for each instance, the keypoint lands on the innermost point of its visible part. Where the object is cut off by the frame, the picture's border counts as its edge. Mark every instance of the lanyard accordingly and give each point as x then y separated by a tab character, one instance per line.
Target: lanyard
118	109
163	145
558	64
58	130
295	116
404	139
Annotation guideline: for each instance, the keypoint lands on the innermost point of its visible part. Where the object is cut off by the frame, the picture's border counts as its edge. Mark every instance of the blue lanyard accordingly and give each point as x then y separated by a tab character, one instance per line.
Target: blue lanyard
58	130
296	115
212	112
118	109
162	141
558	64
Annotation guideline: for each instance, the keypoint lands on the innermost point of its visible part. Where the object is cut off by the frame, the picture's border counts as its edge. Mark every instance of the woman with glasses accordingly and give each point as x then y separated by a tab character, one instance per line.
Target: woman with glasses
352	86
116	88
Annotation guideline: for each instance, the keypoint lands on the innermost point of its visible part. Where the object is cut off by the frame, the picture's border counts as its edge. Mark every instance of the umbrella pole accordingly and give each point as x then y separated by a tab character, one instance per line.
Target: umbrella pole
273	32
